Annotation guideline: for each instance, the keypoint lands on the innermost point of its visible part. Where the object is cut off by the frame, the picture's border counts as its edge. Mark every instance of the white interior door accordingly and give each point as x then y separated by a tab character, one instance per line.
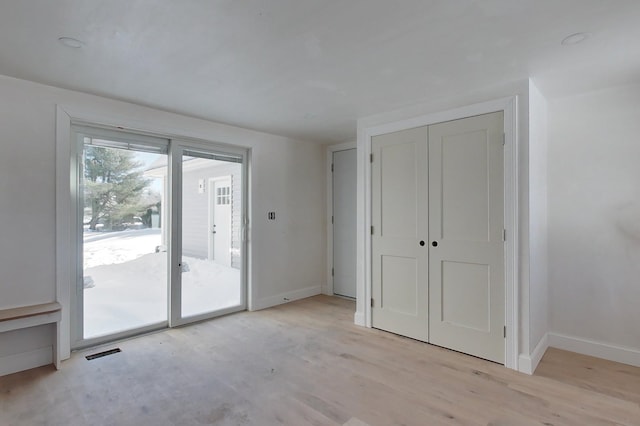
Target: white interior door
466	250
344	223
222	221
399	250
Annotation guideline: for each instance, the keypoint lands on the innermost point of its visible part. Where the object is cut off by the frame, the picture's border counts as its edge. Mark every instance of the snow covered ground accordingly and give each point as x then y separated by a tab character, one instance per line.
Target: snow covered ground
130	282
106	248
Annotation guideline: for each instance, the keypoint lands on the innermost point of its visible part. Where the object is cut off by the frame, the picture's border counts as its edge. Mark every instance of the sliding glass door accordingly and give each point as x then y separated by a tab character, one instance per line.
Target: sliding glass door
211	213
123	273
160	233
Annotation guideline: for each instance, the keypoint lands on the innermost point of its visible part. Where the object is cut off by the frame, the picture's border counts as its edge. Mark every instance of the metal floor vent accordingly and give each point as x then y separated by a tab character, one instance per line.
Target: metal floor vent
101	354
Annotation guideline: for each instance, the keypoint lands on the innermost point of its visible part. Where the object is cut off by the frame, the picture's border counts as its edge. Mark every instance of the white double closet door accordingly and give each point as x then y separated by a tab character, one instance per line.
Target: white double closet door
438	234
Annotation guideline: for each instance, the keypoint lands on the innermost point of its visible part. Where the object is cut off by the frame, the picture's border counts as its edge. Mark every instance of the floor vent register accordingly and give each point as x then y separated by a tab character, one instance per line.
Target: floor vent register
104	353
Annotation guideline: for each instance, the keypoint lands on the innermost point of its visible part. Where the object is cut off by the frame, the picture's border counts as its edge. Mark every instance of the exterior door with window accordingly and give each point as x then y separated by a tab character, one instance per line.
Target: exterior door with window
221	230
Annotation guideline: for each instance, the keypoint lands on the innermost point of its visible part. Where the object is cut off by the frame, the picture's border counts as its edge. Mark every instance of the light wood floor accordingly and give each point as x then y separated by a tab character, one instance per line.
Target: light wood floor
306	363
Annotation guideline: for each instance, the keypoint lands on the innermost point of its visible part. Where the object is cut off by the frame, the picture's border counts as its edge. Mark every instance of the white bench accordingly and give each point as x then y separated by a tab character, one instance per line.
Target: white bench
31	316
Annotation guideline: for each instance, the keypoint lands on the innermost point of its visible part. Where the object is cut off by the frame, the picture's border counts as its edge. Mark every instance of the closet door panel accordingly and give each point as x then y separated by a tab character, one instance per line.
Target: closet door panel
399	208
466	220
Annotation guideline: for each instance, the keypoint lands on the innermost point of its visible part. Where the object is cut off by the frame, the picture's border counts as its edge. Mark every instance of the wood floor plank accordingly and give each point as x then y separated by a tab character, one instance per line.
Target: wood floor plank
306	363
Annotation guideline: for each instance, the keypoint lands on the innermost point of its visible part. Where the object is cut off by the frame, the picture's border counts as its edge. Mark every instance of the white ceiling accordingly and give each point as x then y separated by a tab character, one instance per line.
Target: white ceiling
309	68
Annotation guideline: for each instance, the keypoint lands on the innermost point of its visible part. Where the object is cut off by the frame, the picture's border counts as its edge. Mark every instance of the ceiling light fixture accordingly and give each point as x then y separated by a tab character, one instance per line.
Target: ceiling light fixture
575	39
71	42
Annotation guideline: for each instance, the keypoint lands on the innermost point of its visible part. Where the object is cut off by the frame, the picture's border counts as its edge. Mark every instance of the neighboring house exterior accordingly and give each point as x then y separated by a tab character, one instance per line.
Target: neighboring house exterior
211	208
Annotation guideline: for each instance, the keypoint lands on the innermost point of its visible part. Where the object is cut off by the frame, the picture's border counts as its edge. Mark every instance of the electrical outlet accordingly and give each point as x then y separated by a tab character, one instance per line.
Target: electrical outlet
271	215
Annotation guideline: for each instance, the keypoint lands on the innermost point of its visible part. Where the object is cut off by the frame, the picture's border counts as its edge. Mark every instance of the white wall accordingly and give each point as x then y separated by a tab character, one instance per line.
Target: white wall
519	88
594	223
538	235
287	177
27	191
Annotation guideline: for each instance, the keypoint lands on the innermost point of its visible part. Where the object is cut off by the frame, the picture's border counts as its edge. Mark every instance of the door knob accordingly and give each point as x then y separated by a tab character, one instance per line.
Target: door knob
421	243
435	244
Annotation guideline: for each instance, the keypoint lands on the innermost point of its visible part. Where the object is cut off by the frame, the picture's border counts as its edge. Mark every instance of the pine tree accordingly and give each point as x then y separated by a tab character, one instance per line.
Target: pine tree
114	184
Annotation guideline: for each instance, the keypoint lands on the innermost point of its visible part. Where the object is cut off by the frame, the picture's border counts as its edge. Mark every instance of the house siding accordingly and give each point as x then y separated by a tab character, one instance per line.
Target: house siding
195	219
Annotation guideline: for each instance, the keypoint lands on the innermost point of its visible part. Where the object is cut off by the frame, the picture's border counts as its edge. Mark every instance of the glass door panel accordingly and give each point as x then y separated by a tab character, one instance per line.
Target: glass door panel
160	234
211	210
124	239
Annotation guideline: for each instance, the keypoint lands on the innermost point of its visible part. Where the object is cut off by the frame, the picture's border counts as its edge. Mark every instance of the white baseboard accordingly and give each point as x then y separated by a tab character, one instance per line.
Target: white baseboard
528	363
26	360
597	349
358	319
326	290
289	296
